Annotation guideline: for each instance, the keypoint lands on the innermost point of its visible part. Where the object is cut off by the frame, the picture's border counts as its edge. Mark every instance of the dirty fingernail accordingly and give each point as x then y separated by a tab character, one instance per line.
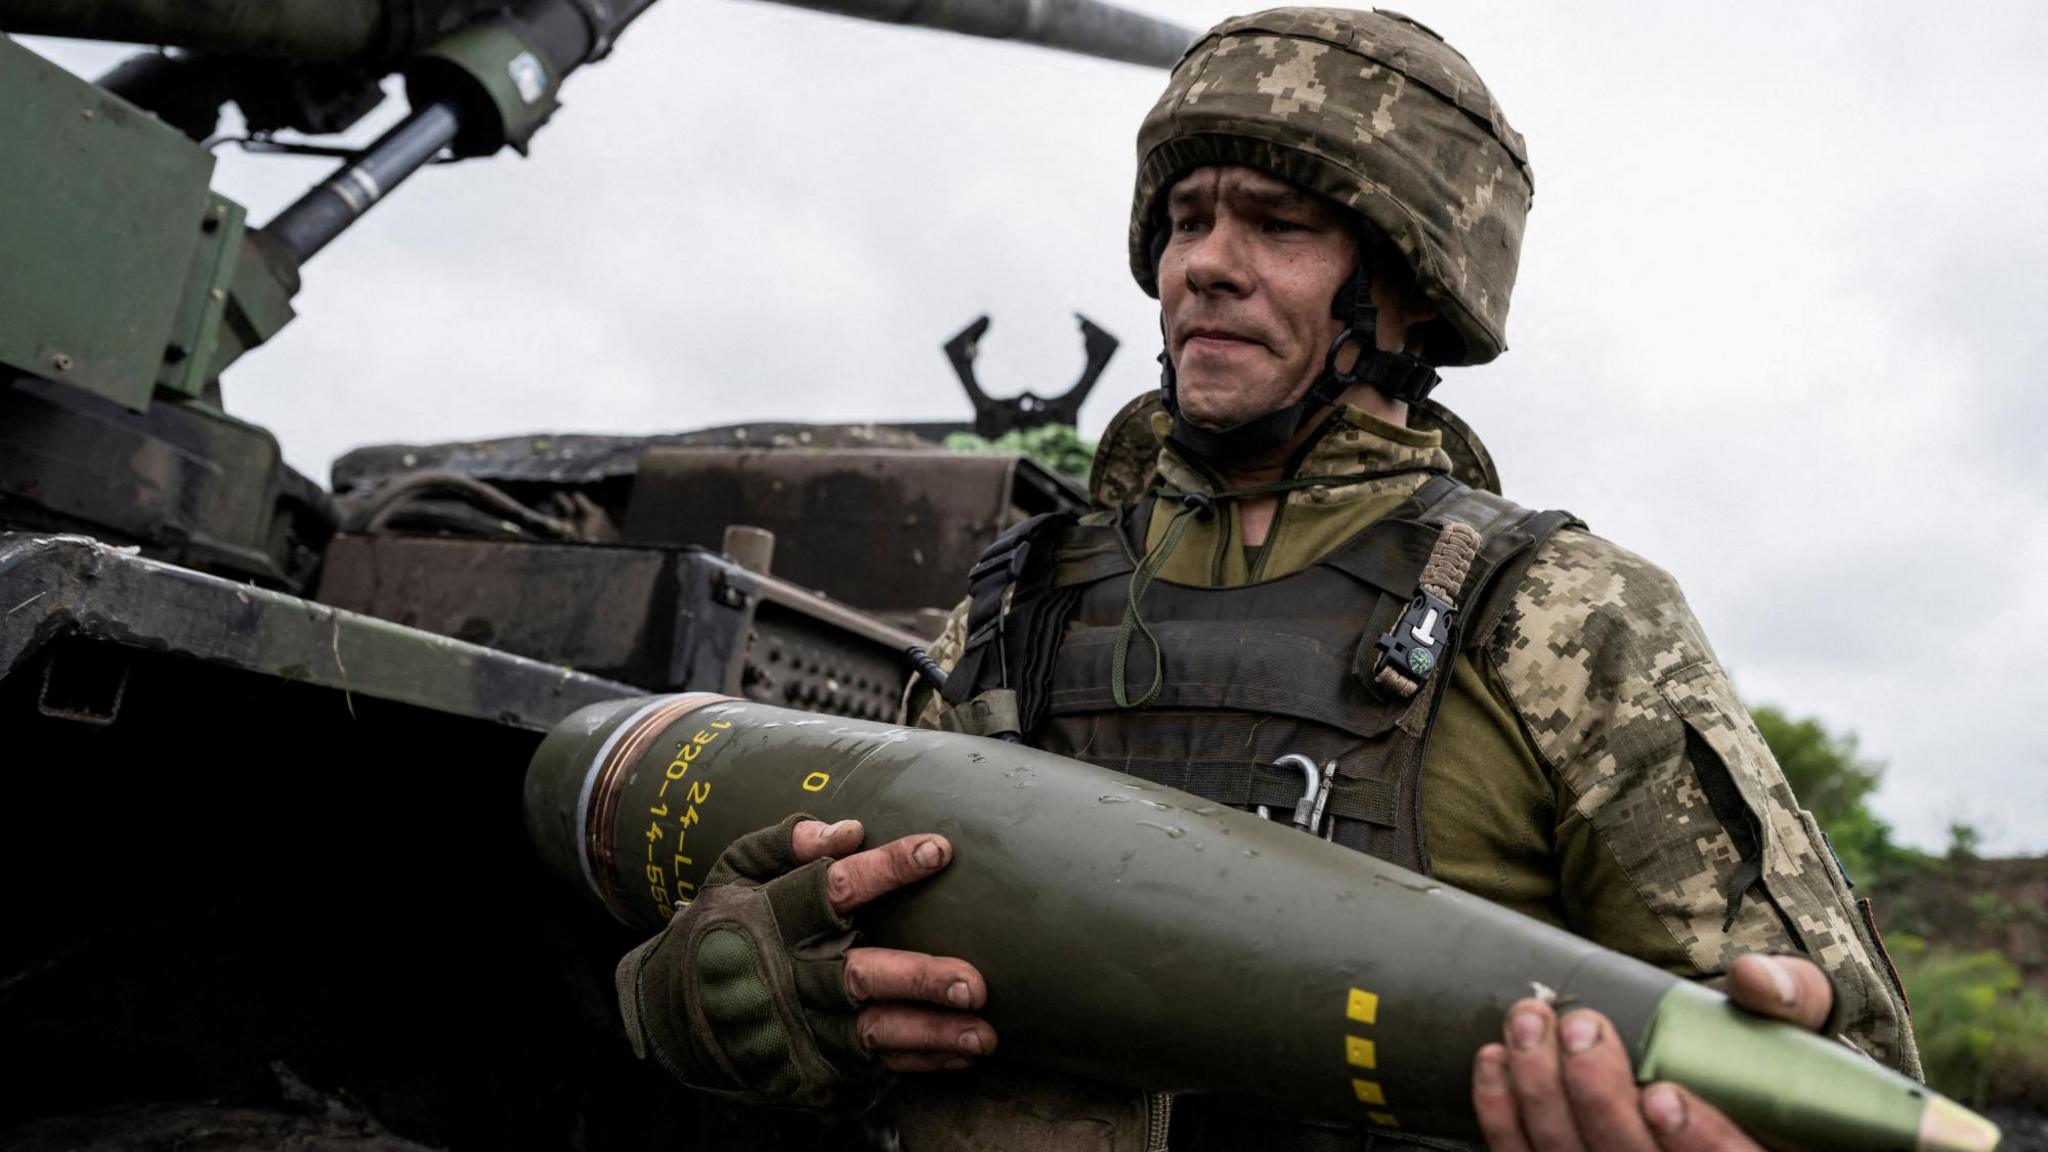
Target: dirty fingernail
836	829
1665	1109
1782	983
927	855
1580	1032
970	1041
957	994
1525	1030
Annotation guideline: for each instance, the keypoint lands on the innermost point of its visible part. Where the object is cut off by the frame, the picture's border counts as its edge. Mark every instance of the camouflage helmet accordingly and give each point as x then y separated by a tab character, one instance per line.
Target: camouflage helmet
1375	112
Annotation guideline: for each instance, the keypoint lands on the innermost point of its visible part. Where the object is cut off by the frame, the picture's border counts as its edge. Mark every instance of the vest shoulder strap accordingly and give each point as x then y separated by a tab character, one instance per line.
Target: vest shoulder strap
1473	546
1510	536
1001	565
1025	584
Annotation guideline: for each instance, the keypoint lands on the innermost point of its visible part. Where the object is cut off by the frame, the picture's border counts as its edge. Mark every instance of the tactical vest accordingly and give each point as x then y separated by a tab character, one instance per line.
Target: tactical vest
1250	673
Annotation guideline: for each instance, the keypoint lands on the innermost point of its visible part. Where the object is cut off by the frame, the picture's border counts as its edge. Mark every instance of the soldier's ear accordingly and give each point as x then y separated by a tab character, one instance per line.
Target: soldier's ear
1391	271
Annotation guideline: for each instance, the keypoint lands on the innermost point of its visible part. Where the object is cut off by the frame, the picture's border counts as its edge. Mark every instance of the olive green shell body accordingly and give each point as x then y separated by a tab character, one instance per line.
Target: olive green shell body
1143	936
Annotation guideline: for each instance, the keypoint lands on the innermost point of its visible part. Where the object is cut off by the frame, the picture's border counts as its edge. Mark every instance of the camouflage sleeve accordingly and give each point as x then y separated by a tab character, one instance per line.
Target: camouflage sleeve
920	707
1679	840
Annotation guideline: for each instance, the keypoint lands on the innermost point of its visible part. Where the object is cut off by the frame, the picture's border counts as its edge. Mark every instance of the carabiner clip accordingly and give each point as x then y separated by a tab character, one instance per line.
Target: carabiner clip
1308	811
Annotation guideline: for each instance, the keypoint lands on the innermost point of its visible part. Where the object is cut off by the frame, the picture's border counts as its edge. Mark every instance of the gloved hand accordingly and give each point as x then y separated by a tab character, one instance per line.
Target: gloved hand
754	989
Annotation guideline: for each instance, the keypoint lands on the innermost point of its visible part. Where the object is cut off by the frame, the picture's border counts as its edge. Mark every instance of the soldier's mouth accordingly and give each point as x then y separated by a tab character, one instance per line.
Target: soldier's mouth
1217	340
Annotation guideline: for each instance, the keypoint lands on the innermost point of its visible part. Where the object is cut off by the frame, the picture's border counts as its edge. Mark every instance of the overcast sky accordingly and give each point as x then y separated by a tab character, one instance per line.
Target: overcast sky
1779	324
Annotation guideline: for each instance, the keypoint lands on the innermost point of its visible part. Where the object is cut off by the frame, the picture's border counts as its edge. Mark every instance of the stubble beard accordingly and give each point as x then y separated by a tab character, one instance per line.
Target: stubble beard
1215	401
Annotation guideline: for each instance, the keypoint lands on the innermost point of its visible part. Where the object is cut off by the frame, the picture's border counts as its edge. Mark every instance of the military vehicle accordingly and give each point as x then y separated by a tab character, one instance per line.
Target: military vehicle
268	880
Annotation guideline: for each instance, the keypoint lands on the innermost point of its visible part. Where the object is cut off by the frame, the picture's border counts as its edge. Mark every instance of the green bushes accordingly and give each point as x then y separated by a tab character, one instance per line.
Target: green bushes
1057	446
1832	783
1983	1031
1983	1034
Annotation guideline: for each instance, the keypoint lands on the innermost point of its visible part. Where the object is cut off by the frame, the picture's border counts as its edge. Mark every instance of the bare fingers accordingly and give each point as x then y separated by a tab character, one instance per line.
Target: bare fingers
1536	1078
1493	1100
812	839
857	879
1600	1081
875	974
925	1062
1789	988
1568	1086
907	1028
1682	1122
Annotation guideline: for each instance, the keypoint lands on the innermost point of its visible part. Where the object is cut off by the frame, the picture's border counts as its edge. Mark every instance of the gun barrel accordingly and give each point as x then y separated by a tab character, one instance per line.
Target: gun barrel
386	30
572	32
309	223
1087	27
1142	936
296	29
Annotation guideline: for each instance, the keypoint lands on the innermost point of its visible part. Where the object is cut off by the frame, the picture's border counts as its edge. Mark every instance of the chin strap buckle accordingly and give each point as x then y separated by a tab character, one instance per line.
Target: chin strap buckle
1399	376
1395	375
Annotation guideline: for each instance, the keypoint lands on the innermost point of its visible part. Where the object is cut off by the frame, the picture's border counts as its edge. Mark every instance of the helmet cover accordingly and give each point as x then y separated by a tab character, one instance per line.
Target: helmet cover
1375	112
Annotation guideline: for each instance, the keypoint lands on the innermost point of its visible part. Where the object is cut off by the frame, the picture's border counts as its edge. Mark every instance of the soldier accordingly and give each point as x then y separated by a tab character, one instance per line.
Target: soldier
1329	206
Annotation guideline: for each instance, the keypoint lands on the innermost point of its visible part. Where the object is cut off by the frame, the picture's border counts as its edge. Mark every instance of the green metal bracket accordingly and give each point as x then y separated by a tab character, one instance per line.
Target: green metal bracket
259	303
104	206
189	354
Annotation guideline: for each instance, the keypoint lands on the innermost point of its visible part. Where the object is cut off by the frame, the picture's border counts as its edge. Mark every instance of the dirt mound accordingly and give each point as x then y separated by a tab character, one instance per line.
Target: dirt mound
1975	906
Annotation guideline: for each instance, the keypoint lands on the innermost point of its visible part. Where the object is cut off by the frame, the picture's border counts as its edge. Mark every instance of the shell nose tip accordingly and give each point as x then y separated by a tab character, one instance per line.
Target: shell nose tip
1949	1127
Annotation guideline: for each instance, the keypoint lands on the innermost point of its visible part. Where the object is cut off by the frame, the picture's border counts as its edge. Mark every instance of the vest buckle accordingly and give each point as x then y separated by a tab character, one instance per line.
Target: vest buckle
1414	646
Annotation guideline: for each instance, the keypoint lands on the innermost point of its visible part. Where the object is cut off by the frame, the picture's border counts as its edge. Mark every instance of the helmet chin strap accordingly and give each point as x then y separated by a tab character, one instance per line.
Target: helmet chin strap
1395	375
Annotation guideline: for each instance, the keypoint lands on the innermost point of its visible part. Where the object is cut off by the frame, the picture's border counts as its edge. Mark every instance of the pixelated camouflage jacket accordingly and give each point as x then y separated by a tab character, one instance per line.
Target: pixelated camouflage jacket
1591	765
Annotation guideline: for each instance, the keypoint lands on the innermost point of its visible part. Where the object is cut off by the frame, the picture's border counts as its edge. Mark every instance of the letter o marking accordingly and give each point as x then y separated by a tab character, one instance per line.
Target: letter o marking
816	781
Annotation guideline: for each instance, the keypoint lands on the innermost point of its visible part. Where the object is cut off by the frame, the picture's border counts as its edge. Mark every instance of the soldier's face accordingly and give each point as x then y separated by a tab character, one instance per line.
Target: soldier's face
1250	266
